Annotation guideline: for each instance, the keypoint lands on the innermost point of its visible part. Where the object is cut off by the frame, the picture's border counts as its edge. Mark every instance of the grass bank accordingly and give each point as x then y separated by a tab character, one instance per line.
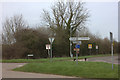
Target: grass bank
47	59
70	68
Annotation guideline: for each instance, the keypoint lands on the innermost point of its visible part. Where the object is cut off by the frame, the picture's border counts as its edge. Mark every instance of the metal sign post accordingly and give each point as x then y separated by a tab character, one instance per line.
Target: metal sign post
29	55
71	50
77	40
48	48
111	39
48	53
51	39
96	49
90	47
77	57
77	46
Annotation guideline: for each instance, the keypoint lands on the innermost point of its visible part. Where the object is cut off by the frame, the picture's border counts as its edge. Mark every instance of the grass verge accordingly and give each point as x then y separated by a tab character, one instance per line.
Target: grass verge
47	59
70	68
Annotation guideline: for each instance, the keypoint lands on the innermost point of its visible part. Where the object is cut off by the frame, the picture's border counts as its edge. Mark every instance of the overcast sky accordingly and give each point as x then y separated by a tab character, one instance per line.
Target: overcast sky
103	15
119	22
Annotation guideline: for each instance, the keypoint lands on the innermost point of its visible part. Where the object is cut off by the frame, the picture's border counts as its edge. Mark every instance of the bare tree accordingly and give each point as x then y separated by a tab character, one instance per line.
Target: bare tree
64	20
67	16
10	26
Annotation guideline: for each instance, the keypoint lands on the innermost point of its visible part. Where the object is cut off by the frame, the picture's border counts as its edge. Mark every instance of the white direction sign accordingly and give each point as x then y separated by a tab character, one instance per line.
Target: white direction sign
78	38
51	39
75	42
30	54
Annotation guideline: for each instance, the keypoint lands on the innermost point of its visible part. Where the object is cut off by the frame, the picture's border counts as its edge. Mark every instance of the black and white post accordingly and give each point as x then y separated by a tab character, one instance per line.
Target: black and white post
111	39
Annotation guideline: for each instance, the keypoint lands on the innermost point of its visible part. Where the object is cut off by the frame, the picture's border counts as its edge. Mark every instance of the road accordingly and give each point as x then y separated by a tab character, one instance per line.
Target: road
8	73
107	59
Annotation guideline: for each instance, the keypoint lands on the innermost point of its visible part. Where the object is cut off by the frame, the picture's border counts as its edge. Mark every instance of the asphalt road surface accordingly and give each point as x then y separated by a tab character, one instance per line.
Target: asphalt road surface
107	59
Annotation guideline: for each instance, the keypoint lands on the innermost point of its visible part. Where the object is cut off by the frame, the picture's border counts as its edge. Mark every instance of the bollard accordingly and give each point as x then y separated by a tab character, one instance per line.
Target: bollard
85	59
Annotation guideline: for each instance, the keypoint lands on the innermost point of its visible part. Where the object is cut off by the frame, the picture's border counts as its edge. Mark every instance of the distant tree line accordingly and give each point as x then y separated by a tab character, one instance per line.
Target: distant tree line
66	20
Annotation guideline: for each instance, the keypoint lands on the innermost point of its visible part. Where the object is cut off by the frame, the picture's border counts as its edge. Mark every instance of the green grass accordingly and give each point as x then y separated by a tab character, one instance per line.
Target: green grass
47	59
70	68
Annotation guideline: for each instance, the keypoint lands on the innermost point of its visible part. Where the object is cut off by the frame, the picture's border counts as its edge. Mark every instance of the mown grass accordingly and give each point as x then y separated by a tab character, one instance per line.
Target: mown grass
47	59
70	68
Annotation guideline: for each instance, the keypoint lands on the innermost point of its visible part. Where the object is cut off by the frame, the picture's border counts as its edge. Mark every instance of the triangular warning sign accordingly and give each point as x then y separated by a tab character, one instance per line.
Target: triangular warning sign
51	39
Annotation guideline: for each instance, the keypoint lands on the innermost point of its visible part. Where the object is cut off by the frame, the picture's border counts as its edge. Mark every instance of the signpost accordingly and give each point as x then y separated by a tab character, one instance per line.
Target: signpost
111	39
96	46
90	47
78	38
96	49
29	55
48	47
51	39
77	46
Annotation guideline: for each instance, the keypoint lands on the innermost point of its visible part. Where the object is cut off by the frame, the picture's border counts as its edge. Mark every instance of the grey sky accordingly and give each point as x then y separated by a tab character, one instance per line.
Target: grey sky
119	22
104	18
104	15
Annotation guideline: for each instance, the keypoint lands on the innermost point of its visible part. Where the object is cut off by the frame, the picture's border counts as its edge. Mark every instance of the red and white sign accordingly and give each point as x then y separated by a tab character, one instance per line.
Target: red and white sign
76	49
96	46
47	46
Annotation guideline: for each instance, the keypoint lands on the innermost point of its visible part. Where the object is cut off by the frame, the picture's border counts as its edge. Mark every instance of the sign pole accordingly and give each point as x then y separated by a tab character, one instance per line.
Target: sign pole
77	51
48	46
96	51
51	39
112	54
48	53
111	38
71	55
71	50
90	51
51	50
90	47
76	57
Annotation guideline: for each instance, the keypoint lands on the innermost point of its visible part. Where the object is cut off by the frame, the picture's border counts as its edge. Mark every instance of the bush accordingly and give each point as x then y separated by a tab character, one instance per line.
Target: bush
28	41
